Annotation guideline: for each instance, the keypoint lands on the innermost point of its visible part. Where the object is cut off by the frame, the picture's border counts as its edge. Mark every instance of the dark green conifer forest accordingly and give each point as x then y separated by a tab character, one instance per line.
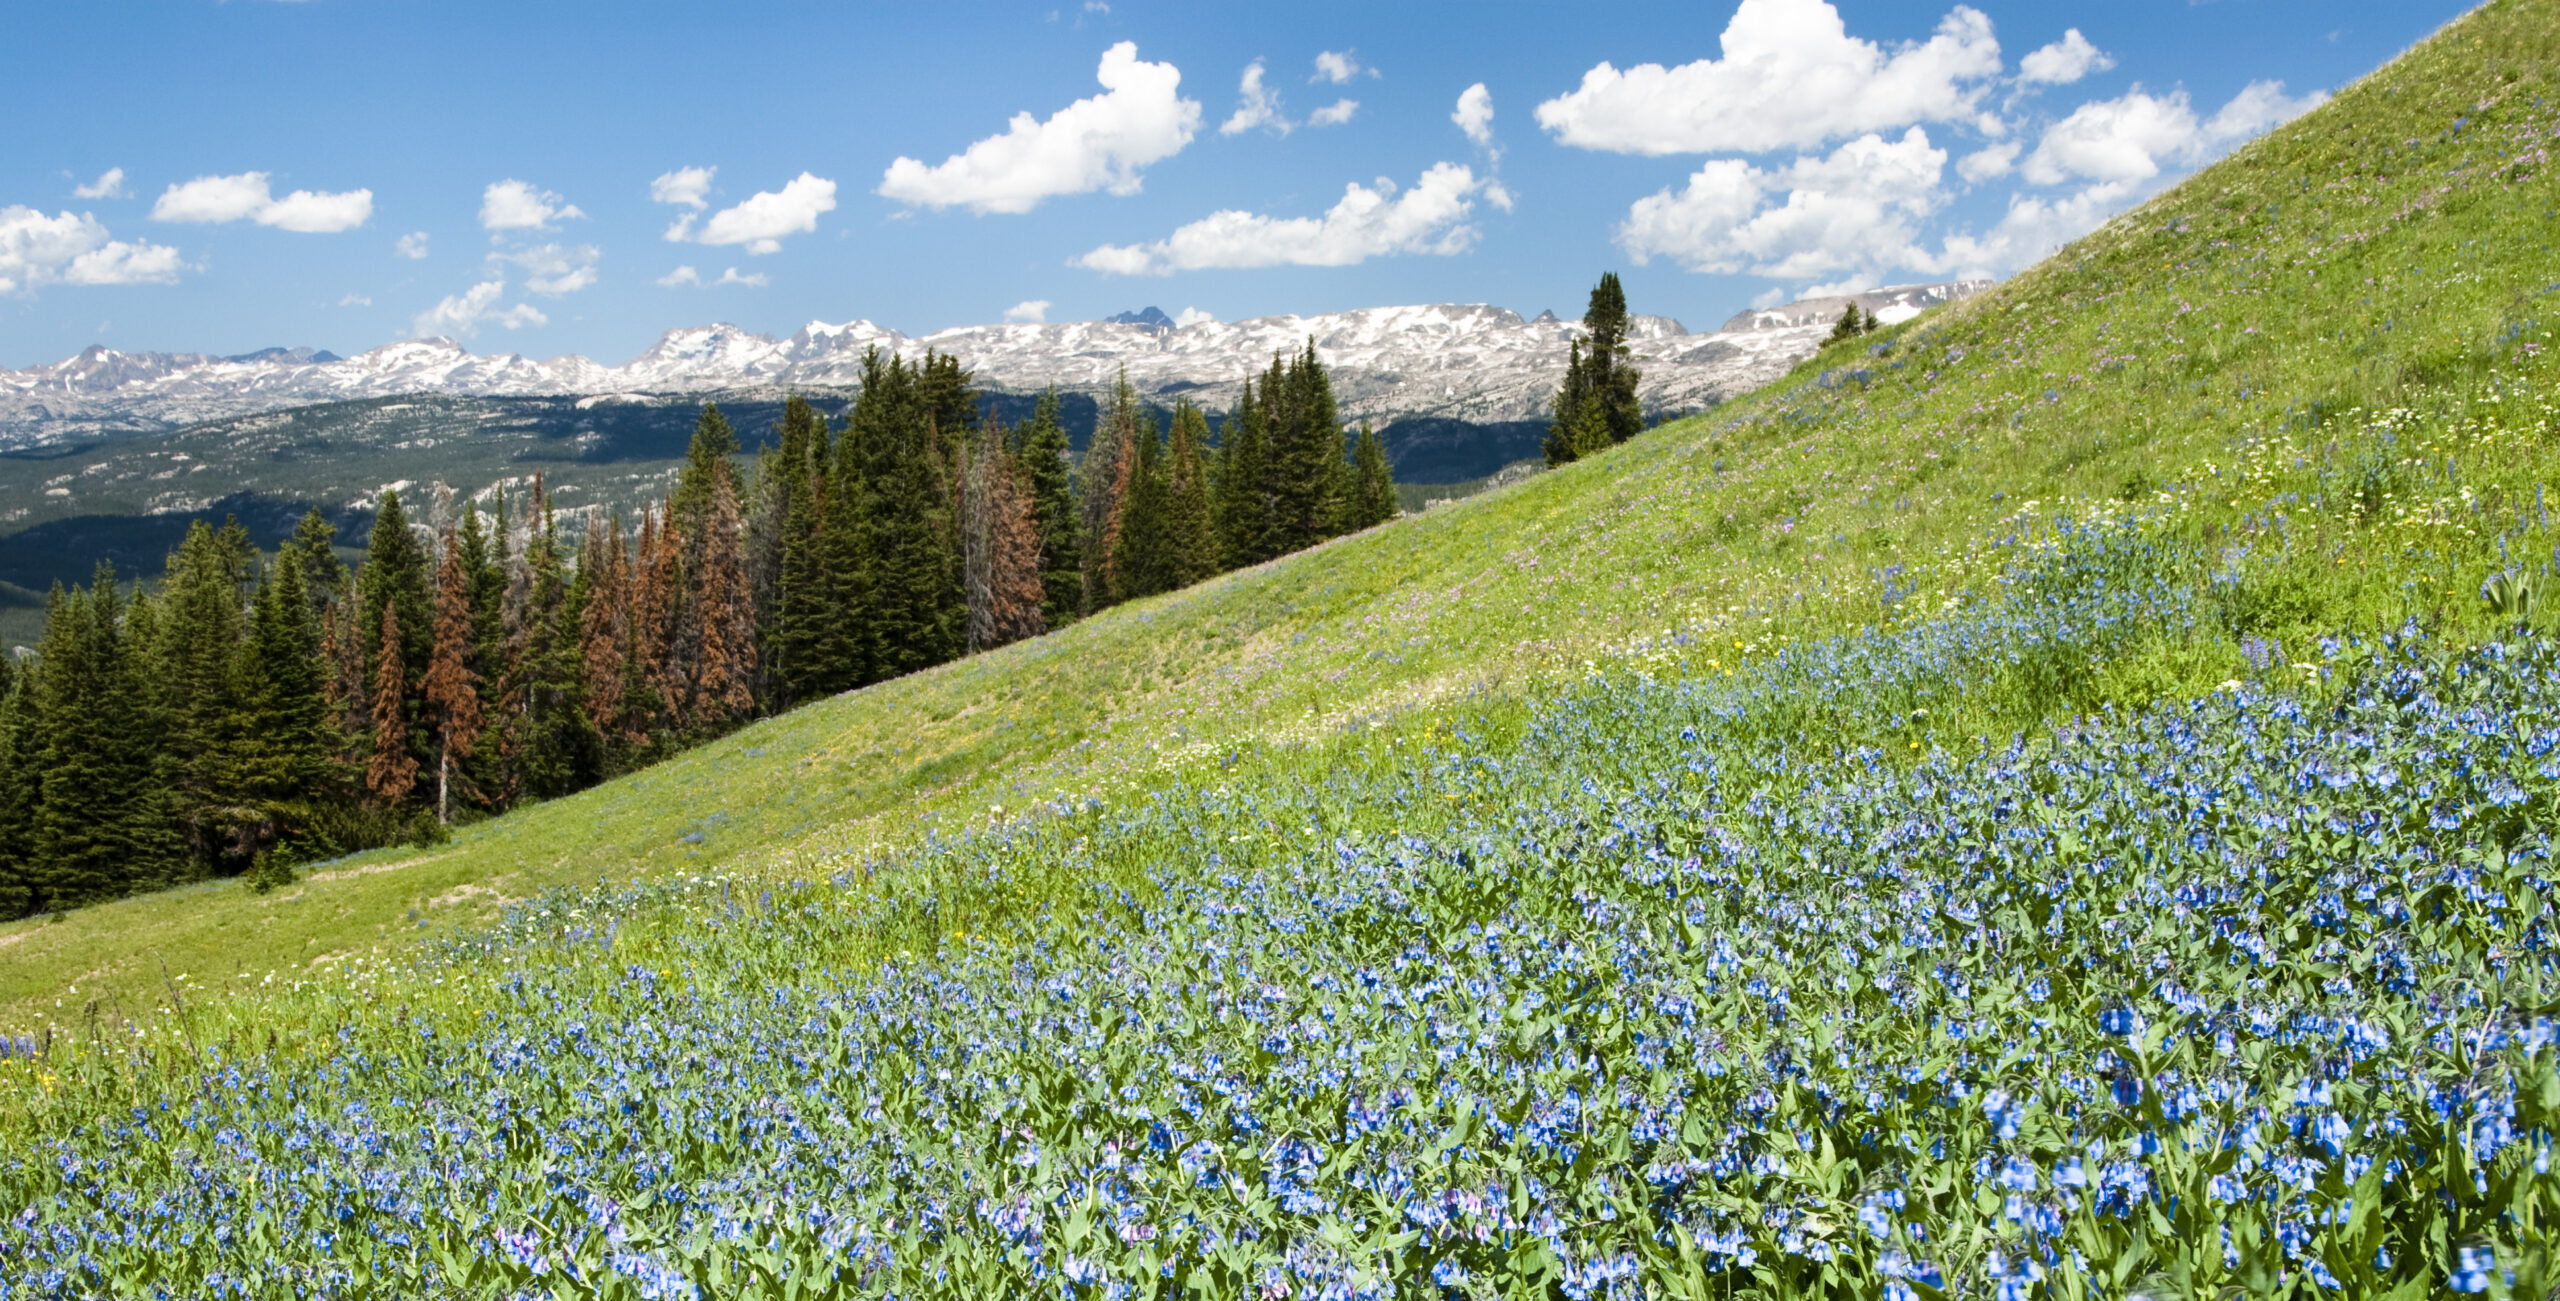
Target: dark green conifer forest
251	711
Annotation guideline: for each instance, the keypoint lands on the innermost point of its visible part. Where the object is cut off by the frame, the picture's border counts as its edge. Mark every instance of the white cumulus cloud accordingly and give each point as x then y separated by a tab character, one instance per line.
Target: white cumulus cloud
1791	77
687	276
412	246
1030	311
521	205
217	199
37	250
555	269
1855	210
1369	221
1474	115
1256	105
1334	114
1989	163
684	185
1191	316
1098	143
355	300
109	185
461	315
2065	61
765	218
1339	67
2134	136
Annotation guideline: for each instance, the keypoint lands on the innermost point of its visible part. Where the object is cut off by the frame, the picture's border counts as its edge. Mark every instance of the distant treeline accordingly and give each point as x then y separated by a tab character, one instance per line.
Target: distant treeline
255	711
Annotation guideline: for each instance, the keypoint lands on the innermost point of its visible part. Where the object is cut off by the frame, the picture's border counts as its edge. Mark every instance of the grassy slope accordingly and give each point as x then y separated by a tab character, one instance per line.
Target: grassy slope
2221	356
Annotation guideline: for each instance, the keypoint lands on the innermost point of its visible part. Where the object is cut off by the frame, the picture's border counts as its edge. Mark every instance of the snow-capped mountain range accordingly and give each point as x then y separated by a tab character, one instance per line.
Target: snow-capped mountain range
1467	362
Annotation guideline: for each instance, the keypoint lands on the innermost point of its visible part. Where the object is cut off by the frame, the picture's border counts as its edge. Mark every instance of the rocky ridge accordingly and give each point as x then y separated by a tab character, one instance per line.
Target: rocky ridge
1465	362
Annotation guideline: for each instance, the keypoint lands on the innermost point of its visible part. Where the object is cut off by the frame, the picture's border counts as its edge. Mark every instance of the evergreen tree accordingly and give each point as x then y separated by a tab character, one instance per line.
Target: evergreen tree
560	752
782	552
1041	455
395	575
1306	467
714	443
1851	324
1610	361
918	614
1243	501
843	651
1373	494
284	665
1190	534
342	678
201	687
452	690
1564	443
649	695
104	825
314	542
21	788
1103	482
1139	537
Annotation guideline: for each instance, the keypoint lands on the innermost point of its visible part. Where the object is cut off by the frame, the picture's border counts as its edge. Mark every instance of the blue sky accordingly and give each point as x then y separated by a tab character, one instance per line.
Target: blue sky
340	174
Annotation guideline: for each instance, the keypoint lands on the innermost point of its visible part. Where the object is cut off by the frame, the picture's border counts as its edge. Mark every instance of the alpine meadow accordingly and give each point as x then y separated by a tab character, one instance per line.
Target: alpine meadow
2057	796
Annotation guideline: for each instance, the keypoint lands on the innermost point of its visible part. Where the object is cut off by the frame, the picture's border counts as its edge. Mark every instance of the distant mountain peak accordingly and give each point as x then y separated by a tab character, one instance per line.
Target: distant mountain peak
1151	317
1547	317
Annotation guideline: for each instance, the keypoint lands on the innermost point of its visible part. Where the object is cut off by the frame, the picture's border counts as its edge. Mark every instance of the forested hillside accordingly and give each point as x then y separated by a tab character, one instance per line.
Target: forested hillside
2054	799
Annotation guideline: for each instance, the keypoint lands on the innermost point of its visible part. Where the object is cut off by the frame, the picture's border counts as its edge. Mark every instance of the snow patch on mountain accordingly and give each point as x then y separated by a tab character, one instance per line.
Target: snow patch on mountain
1461	361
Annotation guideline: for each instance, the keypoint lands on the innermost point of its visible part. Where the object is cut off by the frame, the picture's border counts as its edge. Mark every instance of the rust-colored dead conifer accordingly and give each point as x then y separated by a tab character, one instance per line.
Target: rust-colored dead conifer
452	689
393	770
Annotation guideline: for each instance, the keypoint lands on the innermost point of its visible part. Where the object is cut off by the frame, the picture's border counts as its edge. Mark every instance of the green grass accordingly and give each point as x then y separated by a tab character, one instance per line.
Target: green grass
2322	365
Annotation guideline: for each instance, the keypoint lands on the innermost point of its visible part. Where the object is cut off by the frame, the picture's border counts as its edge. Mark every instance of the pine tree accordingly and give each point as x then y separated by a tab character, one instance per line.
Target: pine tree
560	751
649	695
782	552
918	616
1243	502
392	770
314	542
1042	456
1610	361
1851	324
1564	443
1191	534
285	666
714	443
104	826
1306	467
724	619
200	685
343	680
1000	547
604	641
1373	495
21	789
1139	538
452	690
1103	482
395	574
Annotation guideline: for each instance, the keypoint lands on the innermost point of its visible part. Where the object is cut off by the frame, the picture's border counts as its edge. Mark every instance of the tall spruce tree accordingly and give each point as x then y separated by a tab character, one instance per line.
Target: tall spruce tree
999	546
784	551
918	614
452	690
1373	490
713	446
393	770
104	826
1610	360
1306	472
21	788
198	677
1244	501
1565	441
284	666
1102	485
1191	534
1041	451
1139	539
